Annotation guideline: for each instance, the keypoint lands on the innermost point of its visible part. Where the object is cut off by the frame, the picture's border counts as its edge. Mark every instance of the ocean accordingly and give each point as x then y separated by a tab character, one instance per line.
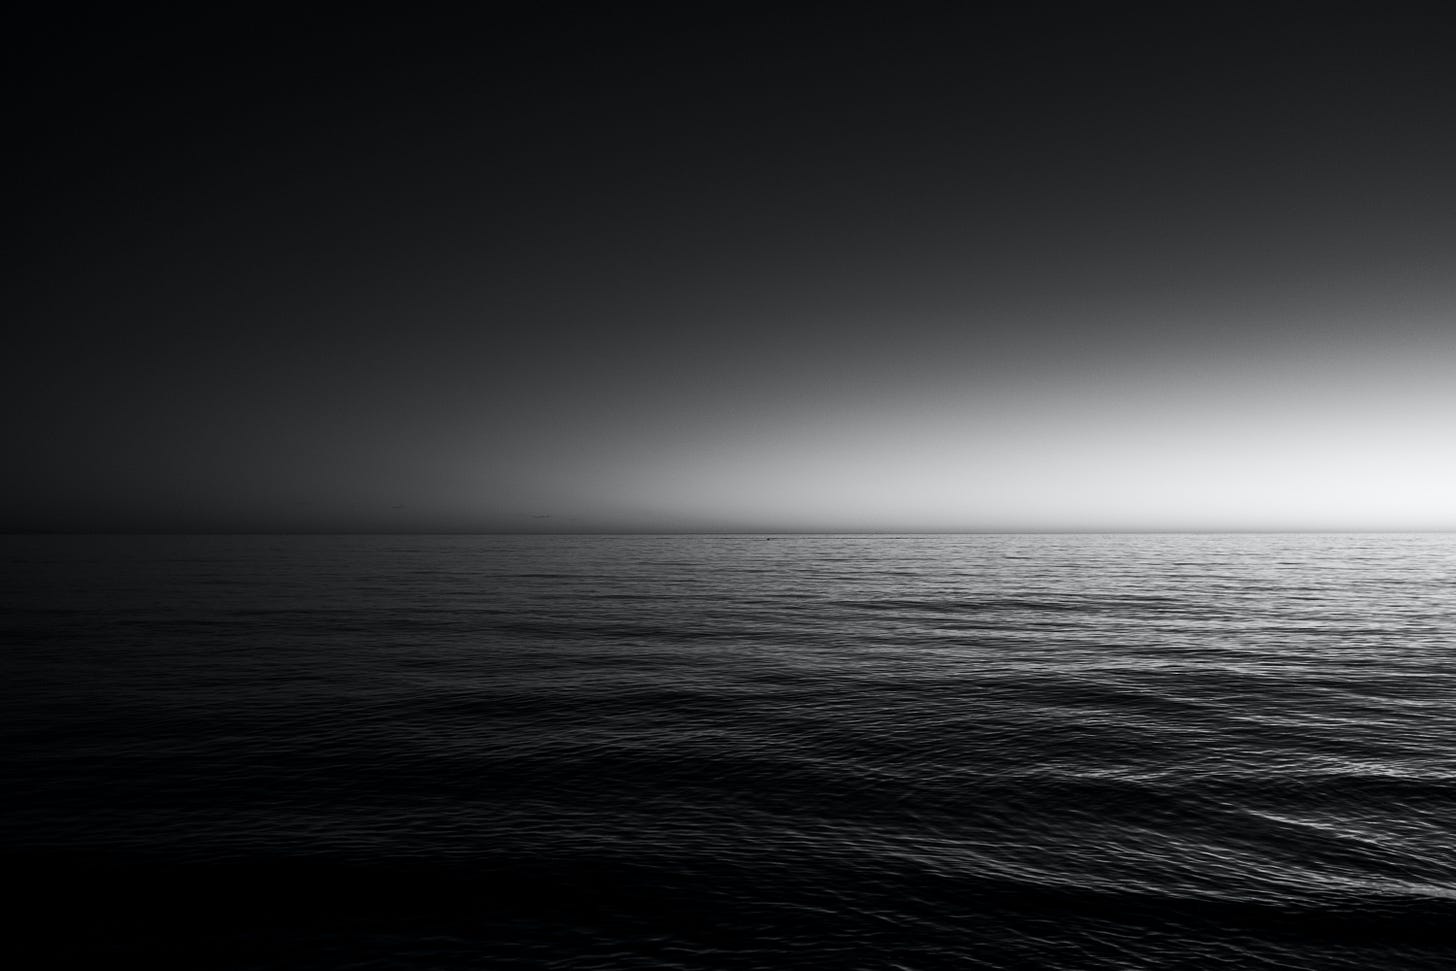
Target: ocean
702	752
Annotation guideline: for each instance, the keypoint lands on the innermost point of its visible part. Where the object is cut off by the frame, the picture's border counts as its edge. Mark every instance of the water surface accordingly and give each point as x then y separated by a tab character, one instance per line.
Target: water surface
696	752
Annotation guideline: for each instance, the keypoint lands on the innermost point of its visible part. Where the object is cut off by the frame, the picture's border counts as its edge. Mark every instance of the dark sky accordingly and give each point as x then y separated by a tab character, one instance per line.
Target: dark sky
629	269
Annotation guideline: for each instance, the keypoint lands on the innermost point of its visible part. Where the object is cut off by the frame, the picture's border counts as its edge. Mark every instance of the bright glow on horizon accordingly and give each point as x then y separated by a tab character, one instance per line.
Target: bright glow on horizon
1317	444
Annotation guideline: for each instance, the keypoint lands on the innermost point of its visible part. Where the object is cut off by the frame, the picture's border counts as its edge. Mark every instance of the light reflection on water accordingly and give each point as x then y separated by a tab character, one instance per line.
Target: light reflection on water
825	751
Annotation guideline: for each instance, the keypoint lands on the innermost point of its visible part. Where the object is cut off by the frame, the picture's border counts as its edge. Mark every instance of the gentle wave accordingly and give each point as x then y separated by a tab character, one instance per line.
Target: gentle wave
715	752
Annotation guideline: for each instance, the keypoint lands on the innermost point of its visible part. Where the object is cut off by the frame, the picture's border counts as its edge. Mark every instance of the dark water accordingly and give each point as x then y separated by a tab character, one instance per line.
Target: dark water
1063	752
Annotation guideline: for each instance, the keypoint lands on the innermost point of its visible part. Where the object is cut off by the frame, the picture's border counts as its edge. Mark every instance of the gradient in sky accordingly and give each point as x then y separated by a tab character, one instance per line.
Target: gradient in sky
703	271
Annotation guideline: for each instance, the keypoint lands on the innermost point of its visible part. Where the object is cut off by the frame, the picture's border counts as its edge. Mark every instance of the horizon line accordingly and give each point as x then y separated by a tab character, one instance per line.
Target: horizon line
1251	531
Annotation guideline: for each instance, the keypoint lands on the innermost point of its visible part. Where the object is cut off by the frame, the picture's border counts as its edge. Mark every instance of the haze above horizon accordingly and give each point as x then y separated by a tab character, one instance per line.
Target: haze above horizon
1028	272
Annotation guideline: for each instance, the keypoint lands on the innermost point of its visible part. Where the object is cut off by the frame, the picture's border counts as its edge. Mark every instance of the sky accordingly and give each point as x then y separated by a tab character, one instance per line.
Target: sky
726	270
